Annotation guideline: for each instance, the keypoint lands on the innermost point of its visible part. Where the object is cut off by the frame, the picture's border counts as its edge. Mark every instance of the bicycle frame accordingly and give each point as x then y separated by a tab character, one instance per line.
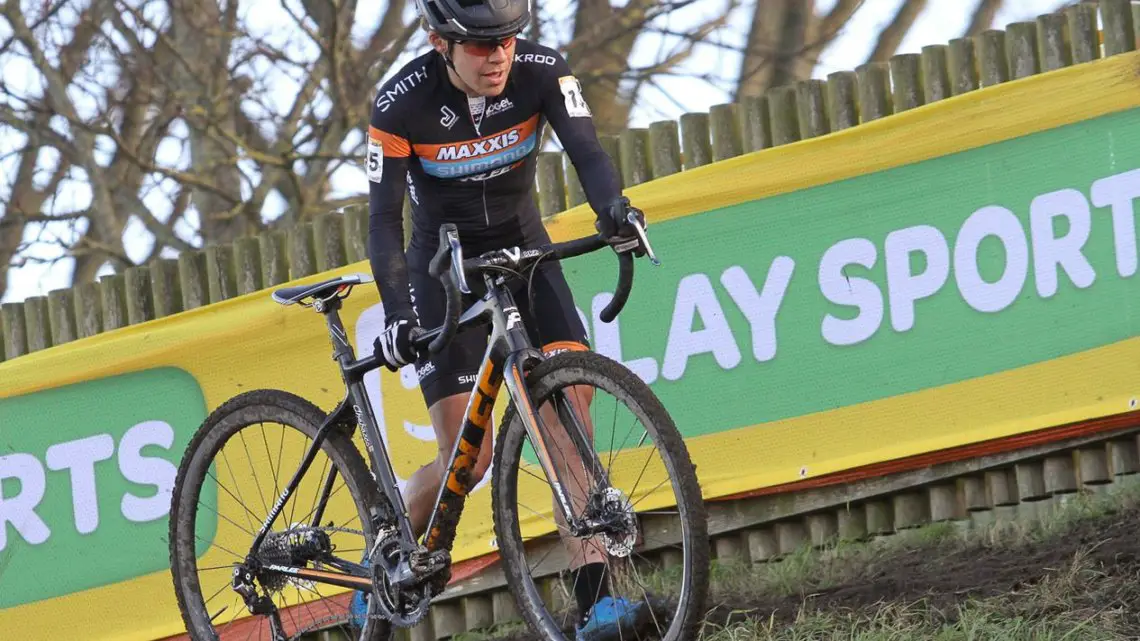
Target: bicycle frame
508	357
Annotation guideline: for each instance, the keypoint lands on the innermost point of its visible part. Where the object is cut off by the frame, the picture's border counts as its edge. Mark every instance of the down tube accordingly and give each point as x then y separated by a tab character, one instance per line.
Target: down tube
381	463
458	482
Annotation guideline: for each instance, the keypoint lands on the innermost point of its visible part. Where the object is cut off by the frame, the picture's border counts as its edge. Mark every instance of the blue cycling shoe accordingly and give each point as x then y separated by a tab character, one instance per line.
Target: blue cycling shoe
358	607
612	619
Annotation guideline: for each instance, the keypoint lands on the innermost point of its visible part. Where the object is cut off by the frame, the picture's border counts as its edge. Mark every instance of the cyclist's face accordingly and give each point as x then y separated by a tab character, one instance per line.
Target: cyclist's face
483	67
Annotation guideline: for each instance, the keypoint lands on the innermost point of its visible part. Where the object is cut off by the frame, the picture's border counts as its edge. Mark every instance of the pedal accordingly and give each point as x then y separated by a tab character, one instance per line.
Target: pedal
433	568
425	563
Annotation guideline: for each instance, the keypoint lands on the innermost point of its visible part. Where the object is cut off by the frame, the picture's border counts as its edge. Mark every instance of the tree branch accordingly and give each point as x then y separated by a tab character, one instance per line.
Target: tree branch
892	36
983	16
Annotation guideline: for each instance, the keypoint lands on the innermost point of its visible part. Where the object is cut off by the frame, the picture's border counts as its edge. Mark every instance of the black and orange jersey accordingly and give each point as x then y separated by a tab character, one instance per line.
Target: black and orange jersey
471	161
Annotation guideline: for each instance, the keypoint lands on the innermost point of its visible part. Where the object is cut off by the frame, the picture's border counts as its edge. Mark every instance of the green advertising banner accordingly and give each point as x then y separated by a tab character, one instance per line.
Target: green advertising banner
908	279
87	505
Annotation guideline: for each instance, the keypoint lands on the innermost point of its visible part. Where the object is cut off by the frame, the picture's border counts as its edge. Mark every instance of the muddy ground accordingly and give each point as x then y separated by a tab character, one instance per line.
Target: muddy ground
1081	569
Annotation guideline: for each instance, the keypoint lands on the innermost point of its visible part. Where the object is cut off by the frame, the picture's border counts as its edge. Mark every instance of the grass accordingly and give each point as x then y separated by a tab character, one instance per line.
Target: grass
1081	592
1078	599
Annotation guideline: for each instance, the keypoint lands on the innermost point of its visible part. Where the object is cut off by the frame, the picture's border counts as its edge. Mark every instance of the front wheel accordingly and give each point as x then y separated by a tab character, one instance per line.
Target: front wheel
630	477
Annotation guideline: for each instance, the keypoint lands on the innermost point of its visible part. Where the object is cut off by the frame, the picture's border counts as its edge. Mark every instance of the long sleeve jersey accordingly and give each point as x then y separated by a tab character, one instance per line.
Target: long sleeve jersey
471	161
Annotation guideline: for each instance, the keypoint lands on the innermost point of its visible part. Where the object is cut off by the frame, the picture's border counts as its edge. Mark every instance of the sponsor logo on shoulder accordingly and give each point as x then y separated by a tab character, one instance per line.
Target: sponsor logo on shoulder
401	87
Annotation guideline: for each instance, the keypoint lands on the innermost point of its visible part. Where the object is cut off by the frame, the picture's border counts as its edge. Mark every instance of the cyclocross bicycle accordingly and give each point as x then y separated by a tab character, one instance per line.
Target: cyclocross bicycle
242	544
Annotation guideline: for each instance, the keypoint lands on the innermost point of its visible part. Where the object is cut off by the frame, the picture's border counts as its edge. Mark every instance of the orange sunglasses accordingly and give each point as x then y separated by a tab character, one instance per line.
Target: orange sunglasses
485	47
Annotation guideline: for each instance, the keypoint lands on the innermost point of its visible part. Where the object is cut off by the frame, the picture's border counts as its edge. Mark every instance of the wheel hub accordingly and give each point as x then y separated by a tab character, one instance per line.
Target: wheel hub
620	535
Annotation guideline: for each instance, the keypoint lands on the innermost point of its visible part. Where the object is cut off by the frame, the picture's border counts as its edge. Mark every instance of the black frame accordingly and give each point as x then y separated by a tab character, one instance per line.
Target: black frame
508	357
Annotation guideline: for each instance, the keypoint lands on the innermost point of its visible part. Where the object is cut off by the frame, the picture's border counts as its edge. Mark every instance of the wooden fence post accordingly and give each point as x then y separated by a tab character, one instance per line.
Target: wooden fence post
665	147
992	55
15	329
247	264
1083	32
140	306
811	108
906	74
936	73
696	146
1053	36
843	100
113	294
783	113
1023	58
874	91
61	313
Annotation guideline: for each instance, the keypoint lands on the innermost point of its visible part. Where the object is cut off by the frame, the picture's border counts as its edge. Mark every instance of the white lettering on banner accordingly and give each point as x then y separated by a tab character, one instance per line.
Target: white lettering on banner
919	261
1118	192
1052	255
760	309
842	289
903	287
79	458
1050	252
695	297
147	470
1004	225
20	510
607	339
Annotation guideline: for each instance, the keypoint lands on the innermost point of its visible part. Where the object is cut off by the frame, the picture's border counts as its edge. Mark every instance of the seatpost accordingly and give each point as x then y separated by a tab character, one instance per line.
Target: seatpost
330	309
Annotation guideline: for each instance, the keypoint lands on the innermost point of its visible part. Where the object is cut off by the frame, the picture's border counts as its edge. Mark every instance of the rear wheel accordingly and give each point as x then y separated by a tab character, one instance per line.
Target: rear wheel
234	470
655	544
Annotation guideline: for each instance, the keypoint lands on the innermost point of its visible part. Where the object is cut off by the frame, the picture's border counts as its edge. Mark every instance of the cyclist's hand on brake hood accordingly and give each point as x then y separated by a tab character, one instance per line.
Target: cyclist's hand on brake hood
394	346
612	220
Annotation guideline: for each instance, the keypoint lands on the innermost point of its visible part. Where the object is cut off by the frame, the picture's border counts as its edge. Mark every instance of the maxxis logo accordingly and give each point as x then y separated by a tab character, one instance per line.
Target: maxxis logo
477	148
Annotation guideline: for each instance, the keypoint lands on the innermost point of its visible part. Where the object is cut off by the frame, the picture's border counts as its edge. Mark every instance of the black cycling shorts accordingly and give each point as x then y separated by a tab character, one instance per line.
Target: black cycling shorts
454	370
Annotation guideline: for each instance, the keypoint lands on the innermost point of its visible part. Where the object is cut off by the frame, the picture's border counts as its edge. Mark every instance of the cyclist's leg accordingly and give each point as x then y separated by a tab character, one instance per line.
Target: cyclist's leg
442	384
556	326
446	380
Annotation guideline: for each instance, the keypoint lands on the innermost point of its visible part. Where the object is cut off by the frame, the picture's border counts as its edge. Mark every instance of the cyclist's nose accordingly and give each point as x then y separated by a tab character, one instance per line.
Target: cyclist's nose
498	54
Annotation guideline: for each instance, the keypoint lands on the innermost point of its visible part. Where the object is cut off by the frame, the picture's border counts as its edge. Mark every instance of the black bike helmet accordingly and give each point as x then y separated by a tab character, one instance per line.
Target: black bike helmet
475	19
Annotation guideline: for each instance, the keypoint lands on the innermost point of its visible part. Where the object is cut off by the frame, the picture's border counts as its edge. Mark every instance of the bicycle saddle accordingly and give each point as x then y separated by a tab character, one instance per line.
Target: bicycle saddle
323	289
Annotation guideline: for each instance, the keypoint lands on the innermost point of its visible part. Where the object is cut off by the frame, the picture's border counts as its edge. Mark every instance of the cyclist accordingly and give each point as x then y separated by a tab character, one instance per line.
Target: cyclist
459	127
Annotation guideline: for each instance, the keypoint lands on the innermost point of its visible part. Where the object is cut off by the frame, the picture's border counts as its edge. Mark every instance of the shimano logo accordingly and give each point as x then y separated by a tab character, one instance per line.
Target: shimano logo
499	107
478	147
468	379
536	58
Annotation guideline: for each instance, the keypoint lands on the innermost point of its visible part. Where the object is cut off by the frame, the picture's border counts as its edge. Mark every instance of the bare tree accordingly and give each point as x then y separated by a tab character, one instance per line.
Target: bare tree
181	123
170	114
786	37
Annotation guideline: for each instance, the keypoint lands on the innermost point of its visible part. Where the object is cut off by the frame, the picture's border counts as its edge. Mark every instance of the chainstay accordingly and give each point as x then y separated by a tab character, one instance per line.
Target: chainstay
321	623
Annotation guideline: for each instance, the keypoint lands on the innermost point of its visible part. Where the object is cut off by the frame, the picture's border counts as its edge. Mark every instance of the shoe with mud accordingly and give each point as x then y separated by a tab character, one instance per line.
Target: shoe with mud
611	619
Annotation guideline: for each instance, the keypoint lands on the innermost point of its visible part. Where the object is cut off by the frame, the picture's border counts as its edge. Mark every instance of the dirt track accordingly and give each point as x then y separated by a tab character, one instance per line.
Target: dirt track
1107	549
1082	571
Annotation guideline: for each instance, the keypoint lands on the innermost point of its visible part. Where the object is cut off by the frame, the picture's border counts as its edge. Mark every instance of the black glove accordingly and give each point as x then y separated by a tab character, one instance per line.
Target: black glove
394	346
612	221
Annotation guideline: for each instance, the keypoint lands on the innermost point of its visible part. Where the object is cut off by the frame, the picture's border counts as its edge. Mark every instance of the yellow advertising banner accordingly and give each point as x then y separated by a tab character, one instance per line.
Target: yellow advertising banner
960	272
